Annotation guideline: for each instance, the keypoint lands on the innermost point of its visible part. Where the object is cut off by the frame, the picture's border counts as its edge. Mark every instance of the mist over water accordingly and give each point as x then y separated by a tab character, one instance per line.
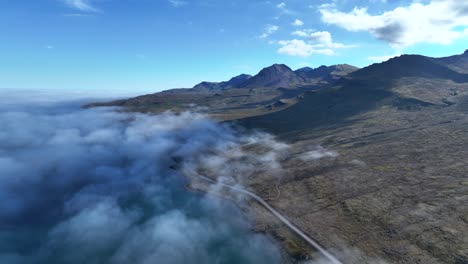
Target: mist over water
97	186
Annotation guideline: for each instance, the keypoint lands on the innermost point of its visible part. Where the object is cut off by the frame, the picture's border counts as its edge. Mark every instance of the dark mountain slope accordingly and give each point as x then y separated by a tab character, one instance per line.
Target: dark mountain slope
457	63
318	109
390	83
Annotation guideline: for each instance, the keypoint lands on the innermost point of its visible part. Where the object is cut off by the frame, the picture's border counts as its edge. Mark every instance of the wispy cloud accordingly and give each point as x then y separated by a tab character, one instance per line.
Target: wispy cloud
284	8
76	15
82	5
281	5
303	32
318	153
297	23
177	3
270	29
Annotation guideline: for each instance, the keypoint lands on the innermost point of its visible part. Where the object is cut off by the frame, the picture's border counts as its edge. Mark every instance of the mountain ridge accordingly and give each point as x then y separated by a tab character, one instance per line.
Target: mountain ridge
281	76
272	88
231	83
275	76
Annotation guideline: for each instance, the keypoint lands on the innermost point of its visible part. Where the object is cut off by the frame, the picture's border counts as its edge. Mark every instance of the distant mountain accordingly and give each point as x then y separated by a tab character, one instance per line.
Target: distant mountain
281	76
217	86
327	74
275	76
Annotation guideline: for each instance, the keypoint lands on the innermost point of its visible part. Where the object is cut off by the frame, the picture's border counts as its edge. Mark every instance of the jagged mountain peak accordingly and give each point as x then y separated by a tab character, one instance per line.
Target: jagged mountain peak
276	68
275	76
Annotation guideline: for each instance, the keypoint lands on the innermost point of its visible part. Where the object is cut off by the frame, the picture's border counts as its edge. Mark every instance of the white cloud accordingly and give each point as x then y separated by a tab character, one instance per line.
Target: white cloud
284	9
295	47
324	39
281	5
382	58
465	31
300	48
177	3
432	22
270	29
302	32
297	23
319	42
82	5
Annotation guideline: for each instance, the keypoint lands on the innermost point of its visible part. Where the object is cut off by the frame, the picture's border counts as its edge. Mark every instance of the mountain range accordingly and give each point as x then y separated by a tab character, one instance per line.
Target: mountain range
273	88
281	76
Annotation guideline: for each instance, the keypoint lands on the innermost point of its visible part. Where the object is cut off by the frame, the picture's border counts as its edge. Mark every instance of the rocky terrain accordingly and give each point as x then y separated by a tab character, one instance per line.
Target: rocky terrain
394	188
398	188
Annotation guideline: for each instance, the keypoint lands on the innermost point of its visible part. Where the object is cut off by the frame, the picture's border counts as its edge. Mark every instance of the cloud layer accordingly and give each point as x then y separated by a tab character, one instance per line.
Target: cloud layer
96	186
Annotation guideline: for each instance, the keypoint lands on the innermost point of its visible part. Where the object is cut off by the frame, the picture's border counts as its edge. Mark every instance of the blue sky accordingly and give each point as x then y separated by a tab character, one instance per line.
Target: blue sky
151	45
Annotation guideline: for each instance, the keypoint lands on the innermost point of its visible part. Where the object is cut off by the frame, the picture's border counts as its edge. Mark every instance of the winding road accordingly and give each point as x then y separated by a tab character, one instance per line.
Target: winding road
282	218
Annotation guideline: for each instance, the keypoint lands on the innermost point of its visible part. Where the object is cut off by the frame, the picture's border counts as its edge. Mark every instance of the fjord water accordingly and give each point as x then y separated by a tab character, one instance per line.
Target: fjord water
98	186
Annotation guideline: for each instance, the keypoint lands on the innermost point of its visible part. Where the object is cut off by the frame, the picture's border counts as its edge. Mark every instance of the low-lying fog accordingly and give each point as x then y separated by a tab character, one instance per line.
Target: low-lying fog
96	186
